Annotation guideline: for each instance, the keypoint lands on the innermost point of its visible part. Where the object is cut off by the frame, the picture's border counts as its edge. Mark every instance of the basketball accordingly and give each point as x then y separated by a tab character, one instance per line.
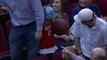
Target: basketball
60	26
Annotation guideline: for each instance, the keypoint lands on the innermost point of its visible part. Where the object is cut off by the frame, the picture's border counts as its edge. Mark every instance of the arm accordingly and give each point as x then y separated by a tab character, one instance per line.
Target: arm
65	37
71	54
39	15
77	44
58	36
76	33
61	36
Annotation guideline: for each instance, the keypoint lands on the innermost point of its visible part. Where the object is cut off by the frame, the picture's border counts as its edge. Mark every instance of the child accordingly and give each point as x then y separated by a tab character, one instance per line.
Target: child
47	43
62	40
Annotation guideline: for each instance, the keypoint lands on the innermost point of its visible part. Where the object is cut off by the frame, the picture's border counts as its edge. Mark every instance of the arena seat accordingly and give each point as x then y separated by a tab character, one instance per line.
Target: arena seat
102	5
8	26
4	49
57	56
68	9
41	58
70	2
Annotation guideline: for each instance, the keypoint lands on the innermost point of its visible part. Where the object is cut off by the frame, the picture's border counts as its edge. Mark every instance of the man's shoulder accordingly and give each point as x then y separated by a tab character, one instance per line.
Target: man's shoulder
93	6
75	25
102	23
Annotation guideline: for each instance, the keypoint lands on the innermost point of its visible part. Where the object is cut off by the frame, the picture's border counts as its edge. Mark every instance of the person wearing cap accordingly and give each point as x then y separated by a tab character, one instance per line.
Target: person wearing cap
84	4
89	32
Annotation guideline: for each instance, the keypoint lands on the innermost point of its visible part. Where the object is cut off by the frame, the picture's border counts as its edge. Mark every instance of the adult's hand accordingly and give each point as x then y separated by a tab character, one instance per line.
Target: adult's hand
4	8
38	35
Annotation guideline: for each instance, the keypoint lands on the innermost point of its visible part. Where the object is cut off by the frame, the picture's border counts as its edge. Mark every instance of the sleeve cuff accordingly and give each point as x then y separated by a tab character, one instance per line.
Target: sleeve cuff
39	27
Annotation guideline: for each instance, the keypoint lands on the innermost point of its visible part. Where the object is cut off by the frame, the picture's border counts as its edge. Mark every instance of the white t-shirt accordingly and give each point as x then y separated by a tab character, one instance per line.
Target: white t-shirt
90	38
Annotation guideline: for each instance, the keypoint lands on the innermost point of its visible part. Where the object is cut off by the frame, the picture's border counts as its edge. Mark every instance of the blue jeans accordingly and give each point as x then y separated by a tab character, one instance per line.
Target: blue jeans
17	36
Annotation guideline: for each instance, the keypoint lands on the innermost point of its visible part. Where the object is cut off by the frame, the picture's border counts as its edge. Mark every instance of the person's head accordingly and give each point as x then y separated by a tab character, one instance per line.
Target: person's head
59	5
86	17
84	3
98	54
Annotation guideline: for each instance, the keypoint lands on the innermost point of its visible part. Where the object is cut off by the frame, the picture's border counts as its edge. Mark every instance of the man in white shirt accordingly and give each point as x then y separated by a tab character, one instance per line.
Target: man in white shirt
89	32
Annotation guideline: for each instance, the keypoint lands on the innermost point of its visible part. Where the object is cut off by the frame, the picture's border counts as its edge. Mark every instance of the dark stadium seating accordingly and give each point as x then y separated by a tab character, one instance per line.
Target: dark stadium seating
55	56
102	5
4	49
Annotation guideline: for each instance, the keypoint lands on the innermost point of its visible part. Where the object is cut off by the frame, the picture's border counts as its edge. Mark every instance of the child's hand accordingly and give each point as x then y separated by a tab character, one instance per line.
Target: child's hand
65	37
66	51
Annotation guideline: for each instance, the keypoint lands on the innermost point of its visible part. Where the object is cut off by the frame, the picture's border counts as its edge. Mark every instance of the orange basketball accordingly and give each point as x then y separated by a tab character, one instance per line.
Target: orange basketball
60	26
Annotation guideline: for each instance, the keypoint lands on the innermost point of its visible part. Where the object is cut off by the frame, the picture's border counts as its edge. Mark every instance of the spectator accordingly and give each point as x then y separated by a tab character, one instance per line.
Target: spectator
83	4
61	40
89	32
27	19
96	54
71	54
47	42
